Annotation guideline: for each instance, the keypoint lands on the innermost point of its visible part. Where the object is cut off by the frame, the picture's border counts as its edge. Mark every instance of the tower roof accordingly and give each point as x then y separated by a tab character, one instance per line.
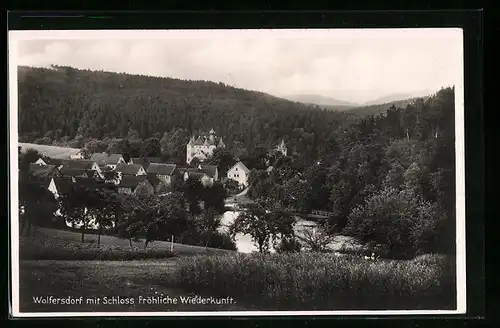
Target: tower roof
212	131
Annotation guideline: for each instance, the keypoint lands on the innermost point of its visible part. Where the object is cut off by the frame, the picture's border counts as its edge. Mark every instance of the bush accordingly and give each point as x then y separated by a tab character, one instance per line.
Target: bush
322	281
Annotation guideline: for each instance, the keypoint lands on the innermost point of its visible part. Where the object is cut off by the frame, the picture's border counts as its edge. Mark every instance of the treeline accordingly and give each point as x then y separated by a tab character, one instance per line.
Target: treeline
388	180
64	104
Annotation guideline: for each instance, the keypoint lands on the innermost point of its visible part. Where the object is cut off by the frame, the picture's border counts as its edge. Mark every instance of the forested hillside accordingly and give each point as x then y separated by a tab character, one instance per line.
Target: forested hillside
61	104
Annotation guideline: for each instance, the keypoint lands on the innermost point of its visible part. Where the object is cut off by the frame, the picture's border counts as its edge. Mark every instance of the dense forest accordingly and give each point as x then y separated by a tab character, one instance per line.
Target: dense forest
63	104
387	179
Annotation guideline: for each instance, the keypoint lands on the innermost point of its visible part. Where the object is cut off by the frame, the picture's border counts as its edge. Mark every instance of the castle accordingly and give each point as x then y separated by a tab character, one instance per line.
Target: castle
203	147
282	148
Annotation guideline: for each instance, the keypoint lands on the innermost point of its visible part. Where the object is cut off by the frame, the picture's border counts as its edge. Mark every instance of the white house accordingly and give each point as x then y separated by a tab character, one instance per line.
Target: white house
78	155
239	173
203	147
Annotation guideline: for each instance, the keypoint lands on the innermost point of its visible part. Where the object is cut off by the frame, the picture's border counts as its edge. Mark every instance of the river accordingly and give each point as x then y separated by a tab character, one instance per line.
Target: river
244	242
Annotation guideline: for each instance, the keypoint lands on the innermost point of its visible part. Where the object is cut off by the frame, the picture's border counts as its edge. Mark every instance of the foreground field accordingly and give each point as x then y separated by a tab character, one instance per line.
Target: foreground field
315	281
150	280
51	244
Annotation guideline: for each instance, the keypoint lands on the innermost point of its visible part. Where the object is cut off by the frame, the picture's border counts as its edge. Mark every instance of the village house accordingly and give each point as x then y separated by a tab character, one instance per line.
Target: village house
52	161
111	160
130	184
195	174
203	147
239	173
130	169
282	148
167	173
211	170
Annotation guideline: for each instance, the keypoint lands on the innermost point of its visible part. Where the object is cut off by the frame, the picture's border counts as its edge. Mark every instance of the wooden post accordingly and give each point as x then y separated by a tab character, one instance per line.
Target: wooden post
172	244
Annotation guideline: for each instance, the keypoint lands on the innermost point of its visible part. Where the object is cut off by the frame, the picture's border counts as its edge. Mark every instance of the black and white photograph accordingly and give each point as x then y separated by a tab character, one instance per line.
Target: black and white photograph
237	172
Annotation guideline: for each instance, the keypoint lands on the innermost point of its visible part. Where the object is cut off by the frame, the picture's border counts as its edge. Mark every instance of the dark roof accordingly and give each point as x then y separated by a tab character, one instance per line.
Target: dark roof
210	170
152	160
104	158
92	184
131	181
56	161
63	184
43	171
140	161
196	174
113	158
79	164
73	172
164	169
128	169
154	180
99	158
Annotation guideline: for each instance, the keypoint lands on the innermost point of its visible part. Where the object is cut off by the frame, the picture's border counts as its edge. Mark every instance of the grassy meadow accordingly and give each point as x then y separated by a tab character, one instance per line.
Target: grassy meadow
309	281
50	151
51	244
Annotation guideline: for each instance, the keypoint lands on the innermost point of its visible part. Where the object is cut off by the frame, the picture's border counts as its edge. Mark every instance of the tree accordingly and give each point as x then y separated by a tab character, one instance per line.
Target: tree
265	222
213	197
74	206
315	239
151	147
37	203
94	146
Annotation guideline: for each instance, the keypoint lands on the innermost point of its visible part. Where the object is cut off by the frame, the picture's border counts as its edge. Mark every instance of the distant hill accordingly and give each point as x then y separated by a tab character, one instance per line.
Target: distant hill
325	102
382	108
398	97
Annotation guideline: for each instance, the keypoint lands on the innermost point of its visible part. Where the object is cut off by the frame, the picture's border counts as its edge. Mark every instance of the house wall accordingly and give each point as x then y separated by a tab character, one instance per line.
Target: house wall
125	190
165	179
237	174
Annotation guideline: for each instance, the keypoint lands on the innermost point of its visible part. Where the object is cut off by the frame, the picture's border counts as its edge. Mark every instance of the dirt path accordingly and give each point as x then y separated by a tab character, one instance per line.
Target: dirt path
109	281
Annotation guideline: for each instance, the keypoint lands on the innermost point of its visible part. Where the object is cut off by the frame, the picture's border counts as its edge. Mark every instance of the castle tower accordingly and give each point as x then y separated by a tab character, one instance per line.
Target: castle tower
211	137
282	148
221	143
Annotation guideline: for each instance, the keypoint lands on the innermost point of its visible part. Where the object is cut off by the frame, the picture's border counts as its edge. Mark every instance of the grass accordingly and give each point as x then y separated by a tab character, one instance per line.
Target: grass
52	244
50	151
99	279
309	281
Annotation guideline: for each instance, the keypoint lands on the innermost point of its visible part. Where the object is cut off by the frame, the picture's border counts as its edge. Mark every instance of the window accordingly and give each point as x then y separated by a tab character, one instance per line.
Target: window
236	169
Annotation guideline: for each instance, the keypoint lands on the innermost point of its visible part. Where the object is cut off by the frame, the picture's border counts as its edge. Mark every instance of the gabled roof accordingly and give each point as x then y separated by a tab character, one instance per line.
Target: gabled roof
163	169
104	158
73	172
92	184
79	164
56	161
43	171
63	184
129	169
113	159
153	179
243	167
131	181
199	141
210	170
99	158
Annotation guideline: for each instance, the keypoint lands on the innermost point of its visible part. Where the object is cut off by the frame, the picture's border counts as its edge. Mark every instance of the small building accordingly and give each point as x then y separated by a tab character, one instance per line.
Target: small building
211	170
165	172
239	173
130	184
130	169
156	183
282	148
60	185
195	174
111	160
41	161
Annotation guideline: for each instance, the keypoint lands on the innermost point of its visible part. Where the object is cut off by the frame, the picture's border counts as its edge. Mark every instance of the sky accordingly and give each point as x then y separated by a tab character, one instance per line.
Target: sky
348	65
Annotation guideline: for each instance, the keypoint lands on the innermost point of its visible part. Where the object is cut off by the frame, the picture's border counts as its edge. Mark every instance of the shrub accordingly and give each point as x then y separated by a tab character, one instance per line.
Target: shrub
322	281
